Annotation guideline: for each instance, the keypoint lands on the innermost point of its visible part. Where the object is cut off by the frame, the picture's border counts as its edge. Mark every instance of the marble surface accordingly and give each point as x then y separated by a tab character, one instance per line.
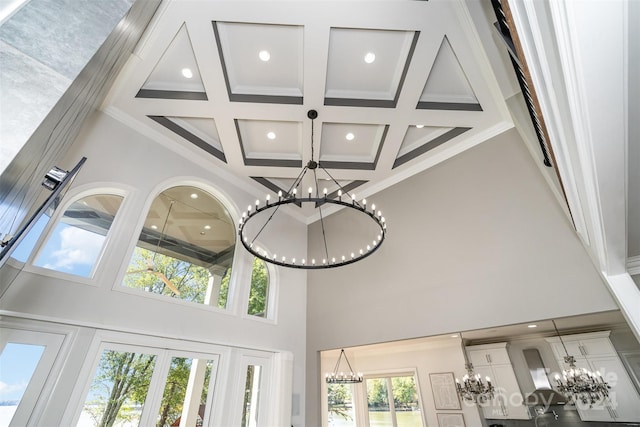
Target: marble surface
25	98
63	34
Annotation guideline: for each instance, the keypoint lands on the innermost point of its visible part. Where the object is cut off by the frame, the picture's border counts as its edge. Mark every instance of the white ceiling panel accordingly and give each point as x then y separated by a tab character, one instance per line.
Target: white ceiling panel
447	82
367	64
261	59
177	70
350	142
270	140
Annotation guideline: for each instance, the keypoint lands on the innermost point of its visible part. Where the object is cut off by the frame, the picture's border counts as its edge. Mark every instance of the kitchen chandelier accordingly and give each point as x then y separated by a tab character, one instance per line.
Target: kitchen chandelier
340	377
326	259
472	388
580	384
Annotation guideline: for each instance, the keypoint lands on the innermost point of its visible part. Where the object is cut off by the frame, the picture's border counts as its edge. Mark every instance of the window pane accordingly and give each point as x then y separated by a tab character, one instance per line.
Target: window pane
223	295
118	390
187	238
17	365
251	397
77	239
405	401
185	392
378	403
340	404
23	250
259	293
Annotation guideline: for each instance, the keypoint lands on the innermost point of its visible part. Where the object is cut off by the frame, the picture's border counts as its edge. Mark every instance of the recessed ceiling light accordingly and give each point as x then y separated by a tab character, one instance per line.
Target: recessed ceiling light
187	73
207	227
194	196
369	57
532	326
271	135
264	55
155	227
454	336
350	136
419	126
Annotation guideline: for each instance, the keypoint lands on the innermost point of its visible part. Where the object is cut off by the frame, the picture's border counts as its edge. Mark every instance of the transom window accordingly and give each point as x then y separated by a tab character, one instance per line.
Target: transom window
77	240
185	248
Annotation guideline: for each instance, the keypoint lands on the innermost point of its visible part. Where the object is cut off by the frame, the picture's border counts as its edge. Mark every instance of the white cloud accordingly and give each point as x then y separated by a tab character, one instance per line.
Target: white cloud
77	247
9	391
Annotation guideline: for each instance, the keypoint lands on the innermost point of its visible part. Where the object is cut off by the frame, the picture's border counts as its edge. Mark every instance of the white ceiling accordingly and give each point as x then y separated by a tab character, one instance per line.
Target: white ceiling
429	94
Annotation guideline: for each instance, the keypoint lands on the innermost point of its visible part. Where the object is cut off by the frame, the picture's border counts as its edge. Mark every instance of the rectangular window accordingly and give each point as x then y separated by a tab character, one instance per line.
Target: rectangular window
340	405
251	401
393	402
18	362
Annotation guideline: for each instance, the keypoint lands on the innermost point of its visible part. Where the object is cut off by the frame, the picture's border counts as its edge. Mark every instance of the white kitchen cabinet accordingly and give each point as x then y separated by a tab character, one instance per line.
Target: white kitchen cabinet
492	360
595	352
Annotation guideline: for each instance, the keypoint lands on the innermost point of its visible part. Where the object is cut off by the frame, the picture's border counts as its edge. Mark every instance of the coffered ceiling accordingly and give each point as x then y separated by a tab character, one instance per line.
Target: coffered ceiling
398	86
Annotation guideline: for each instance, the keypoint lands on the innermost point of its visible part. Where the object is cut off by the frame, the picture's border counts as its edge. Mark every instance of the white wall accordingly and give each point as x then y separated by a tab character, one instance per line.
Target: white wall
476	241
122	158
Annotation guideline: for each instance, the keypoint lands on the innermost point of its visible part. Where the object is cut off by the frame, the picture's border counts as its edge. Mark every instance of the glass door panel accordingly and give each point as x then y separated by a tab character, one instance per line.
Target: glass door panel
118	390
18	362
251	401
378	403
185	394
340	404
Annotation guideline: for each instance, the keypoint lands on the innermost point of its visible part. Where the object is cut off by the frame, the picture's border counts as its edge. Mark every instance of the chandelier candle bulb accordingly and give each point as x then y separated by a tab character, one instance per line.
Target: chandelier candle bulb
268	198
279	195
295	190
257	203
324	192
310	191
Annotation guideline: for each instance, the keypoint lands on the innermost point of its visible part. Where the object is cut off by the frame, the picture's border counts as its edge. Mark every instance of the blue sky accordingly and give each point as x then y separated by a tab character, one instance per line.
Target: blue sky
17	364
69	249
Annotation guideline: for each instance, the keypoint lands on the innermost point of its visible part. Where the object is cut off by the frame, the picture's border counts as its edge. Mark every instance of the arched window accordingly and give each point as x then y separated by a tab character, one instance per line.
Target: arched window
259	292
77	240
185	248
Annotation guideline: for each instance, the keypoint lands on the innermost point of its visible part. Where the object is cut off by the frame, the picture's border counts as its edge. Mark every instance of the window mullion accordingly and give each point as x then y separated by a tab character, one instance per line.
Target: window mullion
392	406
156	388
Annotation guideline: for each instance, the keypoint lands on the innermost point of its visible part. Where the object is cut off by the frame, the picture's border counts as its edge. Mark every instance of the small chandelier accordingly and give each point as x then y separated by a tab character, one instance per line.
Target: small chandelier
472	388
327	259
580	384
340	377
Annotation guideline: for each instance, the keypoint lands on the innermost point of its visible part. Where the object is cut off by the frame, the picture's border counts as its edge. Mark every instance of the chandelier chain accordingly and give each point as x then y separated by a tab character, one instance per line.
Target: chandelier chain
560	337
164	226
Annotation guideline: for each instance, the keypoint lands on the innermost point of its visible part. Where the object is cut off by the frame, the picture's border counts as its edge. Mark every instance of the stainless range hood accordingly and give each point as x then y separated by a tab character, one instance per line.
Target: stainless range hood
545	397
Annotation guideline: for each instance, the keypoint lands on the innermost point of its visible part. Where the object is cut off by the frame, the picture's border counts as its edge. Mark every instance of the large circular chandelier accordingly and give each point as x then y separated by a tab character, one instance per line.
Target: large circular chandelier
257	218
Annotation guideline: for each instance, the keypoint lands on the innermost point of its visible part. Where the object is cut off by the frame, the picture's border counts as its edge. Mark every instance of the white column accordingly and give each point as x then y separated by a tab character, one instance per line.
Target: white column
213	288
194	391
